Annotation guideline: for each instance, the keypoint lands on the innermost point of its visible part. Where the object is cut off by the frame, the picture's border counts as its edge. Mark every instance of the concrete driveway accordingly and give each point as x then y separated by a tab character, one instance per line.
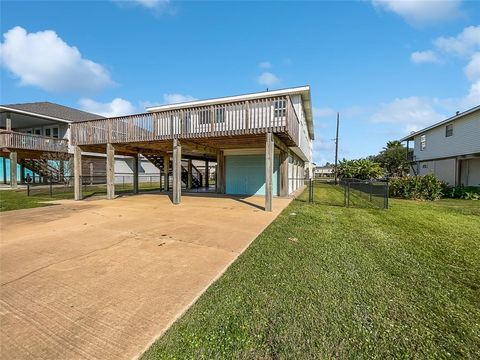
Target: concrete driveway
103	279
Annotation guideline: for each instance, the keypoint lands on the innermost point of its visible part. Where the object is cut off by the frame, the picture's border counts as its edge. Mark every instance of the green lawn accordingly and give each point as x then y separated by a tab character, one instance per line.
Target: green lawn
332	282
18	199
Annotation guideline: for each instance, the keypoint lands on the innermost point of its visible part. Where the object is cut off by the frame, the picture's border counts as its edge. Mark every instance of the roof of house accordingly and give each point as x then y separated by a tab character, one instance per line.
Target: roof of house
304	91
412	135
50	110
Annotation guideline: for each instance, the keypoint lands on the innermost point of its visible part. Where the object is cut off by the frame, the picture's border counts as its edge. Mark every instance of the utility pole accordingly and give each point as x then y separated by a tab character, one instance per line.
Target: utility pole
336	149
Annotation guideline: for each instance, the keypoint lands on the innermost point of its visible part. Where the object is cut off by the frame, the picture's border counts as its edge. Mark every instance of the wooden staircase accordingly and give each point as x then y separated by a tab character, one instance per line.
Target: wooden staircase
43	168
197	176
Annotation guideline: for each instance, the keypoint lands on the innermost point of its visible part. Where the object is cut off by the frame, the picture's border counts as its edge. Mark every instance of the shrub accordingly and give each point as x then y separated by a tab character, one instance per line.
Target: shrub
359	169
426	187
462	192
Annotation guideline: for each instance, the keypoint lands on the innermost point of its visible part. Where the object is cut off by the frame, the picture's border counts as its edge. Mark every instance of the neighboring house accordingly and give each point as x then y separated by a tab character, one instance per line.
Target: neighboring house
261	142
323	171
34	135
449	149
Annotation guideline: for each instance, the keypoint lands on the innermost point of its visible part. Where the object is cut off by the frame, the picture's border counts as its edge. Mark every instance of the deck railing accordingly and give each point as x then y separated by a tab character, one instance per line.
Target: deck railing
275	114
16	140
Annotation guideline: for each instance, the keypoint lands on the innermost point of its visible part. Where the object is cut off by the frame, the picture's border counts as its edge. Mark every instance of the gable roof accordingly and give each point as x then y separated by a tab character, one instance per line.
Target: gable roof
50	111
304	91
412	135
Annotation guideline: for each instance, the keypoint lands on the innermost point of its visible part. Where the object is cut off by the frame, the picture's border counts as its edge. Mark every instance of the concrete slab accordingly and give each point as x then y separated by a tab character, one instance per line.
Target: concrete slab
102	279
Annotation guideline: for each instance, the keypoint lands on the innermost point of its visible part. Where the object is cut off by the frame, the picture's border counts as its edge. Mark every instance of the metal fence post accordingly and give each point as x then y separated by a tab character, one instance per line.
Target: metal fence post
348	195
311	190
28	189
51	187
344	195
385	202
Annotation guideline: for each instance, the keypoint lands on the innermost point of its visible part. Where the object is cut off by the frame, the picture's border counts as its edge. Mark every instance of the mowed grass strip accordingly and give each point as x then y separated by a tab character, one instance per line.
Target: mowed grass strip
332	282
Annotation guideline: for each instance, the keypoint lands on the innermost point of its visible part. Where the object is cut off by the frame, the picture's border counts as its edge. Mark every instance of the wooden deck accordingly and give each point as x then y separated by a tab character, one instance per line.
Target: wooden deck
245	119
28	142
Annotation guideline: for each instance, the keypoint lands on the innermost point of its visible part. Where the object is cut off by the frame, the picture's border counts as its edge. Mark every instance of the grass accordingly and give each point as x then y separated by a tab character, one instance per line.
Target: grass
349	283
18	199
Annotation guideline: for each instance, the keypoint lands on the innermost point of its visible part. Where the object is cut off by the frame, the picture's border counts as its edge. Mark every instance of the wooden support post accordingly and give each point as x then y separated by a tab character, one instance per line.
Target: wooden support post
207	175
220	183
166	170
8	122
283	173
136	164
77	172
110	172
13	170
269	146
190	175
177	172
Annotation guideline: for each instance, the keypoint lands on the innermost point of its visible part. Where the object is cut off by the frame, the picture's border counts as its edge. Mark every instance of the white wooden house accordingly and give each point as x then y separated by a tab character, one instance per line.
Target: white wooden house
449	149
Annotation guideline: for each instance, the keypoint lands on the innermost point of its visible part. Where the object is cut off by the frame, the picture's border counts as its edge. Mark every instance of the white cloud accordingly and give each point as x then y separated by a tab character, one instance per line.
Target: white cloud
268	79
412	113
421	12
472	70
158	6
428	56
151	4
464	44
265	65
177	98
323	112
44	60
117	107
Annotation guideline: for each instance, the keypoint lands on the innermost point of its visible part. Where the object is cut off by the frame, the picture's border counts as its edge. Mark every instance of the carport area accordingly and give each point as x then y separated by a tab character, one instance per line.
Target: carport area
102	279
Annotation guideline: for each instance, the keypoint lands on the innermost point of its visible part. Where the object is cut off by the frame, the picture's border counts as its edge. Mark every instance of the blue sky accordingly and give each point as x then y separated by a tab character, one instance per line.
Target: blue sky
387	66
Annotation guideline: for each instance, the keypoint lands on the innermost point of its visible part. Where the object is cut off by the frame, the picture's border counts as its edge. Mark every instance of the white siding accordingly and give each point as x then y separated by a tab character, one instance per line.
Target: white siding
465	139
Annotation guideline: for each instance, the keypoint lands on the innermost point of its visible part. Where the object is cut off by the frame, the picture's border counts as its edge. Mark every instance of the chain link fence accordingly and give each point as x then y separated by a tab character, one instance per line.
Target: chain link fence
347	192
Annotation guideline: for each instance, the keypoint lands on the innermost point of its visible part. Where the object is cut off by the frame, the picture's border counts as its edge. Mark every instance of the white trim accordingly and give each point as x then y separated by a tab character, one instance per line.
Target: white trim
443	122
244	97
23	112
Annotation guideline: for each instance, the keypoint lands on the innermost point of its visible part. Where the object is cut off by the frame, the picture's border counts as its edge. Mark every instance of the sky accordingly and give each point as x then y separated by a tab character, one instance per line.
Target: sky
388	67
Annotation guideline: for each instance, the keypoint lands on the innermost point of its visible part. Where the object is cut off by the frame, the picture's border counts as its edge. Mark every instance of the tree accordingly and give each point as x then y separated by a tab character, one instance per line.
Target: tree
393	159
359	169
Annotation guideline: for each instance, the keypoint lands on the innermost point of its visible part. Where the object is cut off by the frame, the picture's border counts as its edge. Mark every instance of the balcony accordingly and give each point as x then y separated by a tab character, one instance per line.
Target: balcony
21	141
252	117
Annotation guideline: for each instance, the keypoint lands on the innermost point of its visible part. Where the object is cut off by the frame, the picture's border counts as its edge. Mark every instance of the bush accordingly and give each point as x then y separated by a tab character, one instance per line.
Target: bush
359	169
462	192
426	187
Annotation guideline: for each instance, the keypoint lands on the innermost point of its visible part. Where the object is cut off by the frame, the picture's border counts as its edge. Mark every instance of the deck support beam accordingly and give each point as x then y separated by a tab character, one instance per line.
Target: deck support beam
77	173
190	175
136	164
177	172
220	183
166	170
269	148
13	170
283	173
110	172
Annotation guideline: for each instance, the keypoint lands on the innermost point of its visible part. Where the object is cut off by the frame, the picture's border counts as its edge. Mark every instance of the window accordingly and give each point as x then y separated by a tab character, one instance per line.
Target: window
48	132
423	142
220	115
280	108
425	166
204	117
55	132
449	130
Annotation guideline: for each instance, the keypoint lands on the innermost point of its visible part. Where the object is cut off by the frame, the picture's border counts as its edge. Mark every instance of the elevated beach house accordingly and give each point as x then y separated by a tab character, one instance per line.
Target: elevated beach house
261	142
450	149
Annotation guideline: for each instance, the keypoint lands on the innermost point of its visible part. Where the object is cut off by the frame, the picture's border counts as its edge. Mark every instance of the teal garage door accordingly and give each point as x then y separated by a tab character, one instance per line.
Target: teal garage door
245	175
